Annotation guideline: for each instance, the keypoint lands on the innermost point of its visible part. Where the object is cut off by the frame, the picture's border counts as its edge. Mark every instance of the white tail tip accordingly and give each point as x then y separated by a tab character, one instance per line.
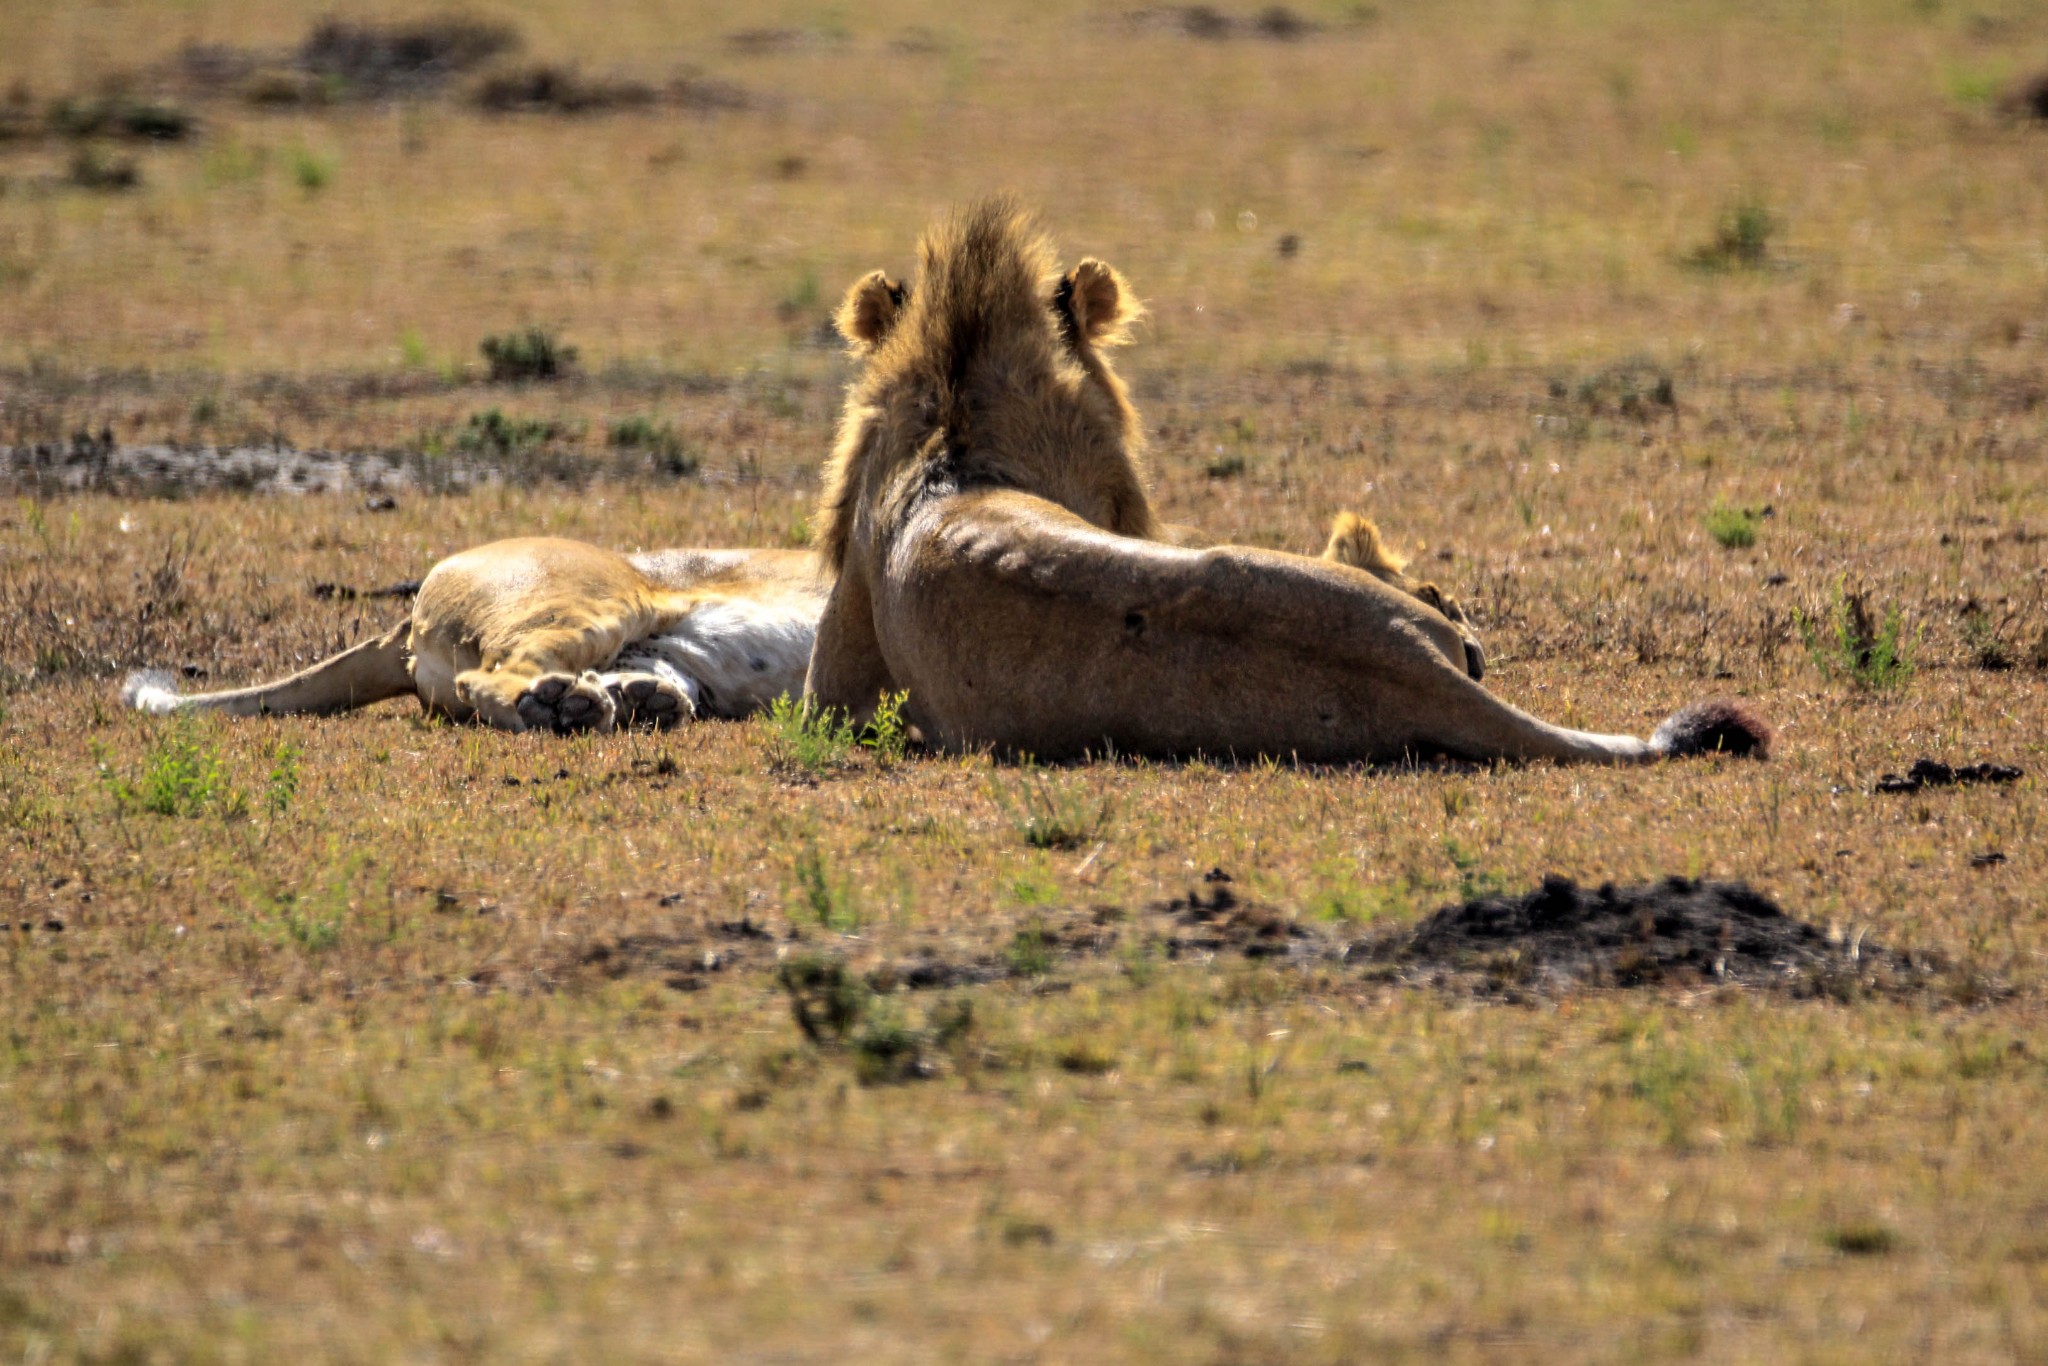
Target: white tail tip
151	690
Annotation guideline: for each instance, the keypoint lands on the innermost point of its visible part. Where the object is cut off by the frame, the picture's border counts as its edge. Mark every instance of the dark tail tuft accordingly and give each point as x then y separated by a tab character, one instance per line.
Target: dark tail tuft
1718	725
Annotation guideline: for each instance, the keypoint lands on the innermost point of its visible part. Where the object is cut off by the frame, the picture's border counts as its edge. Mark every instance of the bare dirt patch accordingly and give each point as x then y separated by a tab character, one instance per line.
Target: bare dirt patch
89	464
1677	932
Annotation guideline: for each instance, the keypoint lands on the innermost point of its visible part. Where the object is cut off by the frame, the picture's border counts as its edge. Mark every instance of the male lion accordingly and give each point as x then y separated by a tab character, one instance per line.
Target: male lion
997	557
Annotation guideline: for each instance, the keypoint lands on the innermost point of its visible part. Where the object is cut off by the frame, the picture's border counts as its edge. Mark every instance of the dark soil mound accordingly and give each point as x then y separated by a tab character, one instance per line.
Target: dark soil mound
1933	773
1221	922
1678	931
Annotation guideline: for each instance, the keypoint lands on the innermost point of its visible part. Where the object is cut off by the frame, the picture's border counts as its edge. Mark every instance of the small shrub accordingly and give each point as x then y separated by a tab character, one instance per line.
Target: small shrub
1862	1238
1052	816
491	432
533	354
121	116
825	999
1225	467
1733	527
834	1009
1636	389
1845	642
374	60
182	775
1741	240
1986	646
807	737
660	441
544	88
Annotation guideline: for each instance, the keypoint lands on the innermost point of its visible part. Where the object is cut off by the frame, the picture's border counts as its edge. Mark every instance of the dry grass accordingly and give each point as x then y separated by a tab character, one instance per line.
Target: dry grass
411	1041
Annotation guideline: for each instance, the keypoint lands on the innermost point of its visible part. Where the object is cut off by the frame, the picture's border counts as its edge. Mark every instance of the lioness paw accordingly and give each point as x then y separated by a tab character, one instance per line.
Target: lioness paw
567	702
645	699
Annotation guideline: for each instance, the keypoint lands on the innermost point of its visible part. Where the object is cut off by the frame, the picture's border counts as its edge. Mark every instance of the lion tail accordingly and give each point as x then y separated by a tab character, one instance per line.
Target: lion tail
370	672
1718	725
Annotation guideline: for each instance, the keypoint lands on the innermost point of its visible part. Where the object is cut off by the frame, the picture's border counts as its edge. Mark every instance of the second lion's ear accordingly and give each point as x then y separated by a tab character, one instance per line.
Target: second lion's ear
870	310
1100	303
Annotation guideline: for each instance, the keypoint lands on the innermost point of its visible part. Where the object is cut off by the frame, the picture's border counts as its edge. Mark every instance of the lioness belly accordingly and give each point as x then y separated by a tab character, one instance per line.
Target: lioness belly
735	655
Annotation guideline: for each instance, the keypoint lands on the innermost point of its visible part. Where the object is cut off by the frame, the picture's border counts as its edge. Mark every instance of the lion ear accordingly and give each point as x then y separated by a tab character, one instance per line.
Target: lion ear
870	310
1101	303
1355	541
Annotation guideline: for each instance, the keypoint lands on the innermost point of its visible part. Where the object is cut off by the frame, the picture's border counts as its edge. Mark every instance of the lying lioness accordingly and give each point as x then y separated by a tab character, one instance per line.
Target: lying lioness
997	557
558	635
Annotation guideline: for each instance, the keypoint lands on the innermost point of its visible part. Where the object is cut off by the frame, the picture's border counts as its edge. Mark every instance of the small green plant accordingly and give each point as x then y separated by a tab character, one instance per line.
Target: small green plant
121	116
312	923
1049	815
1355	903
1741	240
828	900
412	349
825	999
532	354
1844	641
1225	466
836	1010
1984	642
283	784
803	297
1733	527
808	737
182	775
1972	87
312	172
1030	953
92	169
887	736
1473	880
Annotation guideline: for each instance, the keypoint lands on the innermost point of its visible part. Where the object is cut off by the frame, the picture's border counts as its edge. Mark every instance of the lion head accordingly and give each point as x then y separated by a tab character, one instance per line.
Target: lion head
989	370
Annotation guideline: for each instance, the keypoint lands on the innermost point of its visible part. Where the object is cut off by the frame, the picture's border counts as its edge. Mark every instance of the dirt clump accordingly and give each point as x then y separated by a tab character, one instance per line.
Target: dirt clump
1933	773
1561	936
2026	98
1221	921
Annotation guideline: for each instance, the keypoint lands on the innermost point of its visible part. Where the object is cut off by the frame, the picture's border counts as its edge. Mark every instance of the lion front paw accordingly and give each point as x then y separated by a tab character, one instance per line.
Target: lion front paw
567	702
645	699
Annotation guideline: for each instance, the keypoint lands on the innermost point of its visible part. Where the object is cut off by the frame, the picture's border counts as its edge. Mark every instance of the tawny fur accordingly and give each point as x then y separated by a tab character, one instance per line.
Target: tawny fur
540	633
999	560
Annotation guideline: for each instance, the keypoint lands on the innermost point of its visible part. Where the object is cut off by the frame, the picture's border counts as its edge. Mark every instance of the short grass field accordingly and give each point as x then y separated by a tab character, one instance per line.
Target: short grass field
1699	348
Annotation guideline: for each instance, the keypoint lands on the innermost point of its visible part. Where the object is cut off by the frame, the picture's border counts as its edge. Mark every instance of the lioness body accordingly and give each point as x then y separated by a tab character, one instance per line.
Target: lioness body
997	557
541	633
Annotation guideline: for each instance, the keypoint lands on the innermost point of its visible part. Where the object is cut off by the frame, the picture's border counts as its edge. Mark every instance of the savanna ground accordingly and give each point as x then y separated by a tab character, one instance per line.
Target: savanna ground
1654	330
